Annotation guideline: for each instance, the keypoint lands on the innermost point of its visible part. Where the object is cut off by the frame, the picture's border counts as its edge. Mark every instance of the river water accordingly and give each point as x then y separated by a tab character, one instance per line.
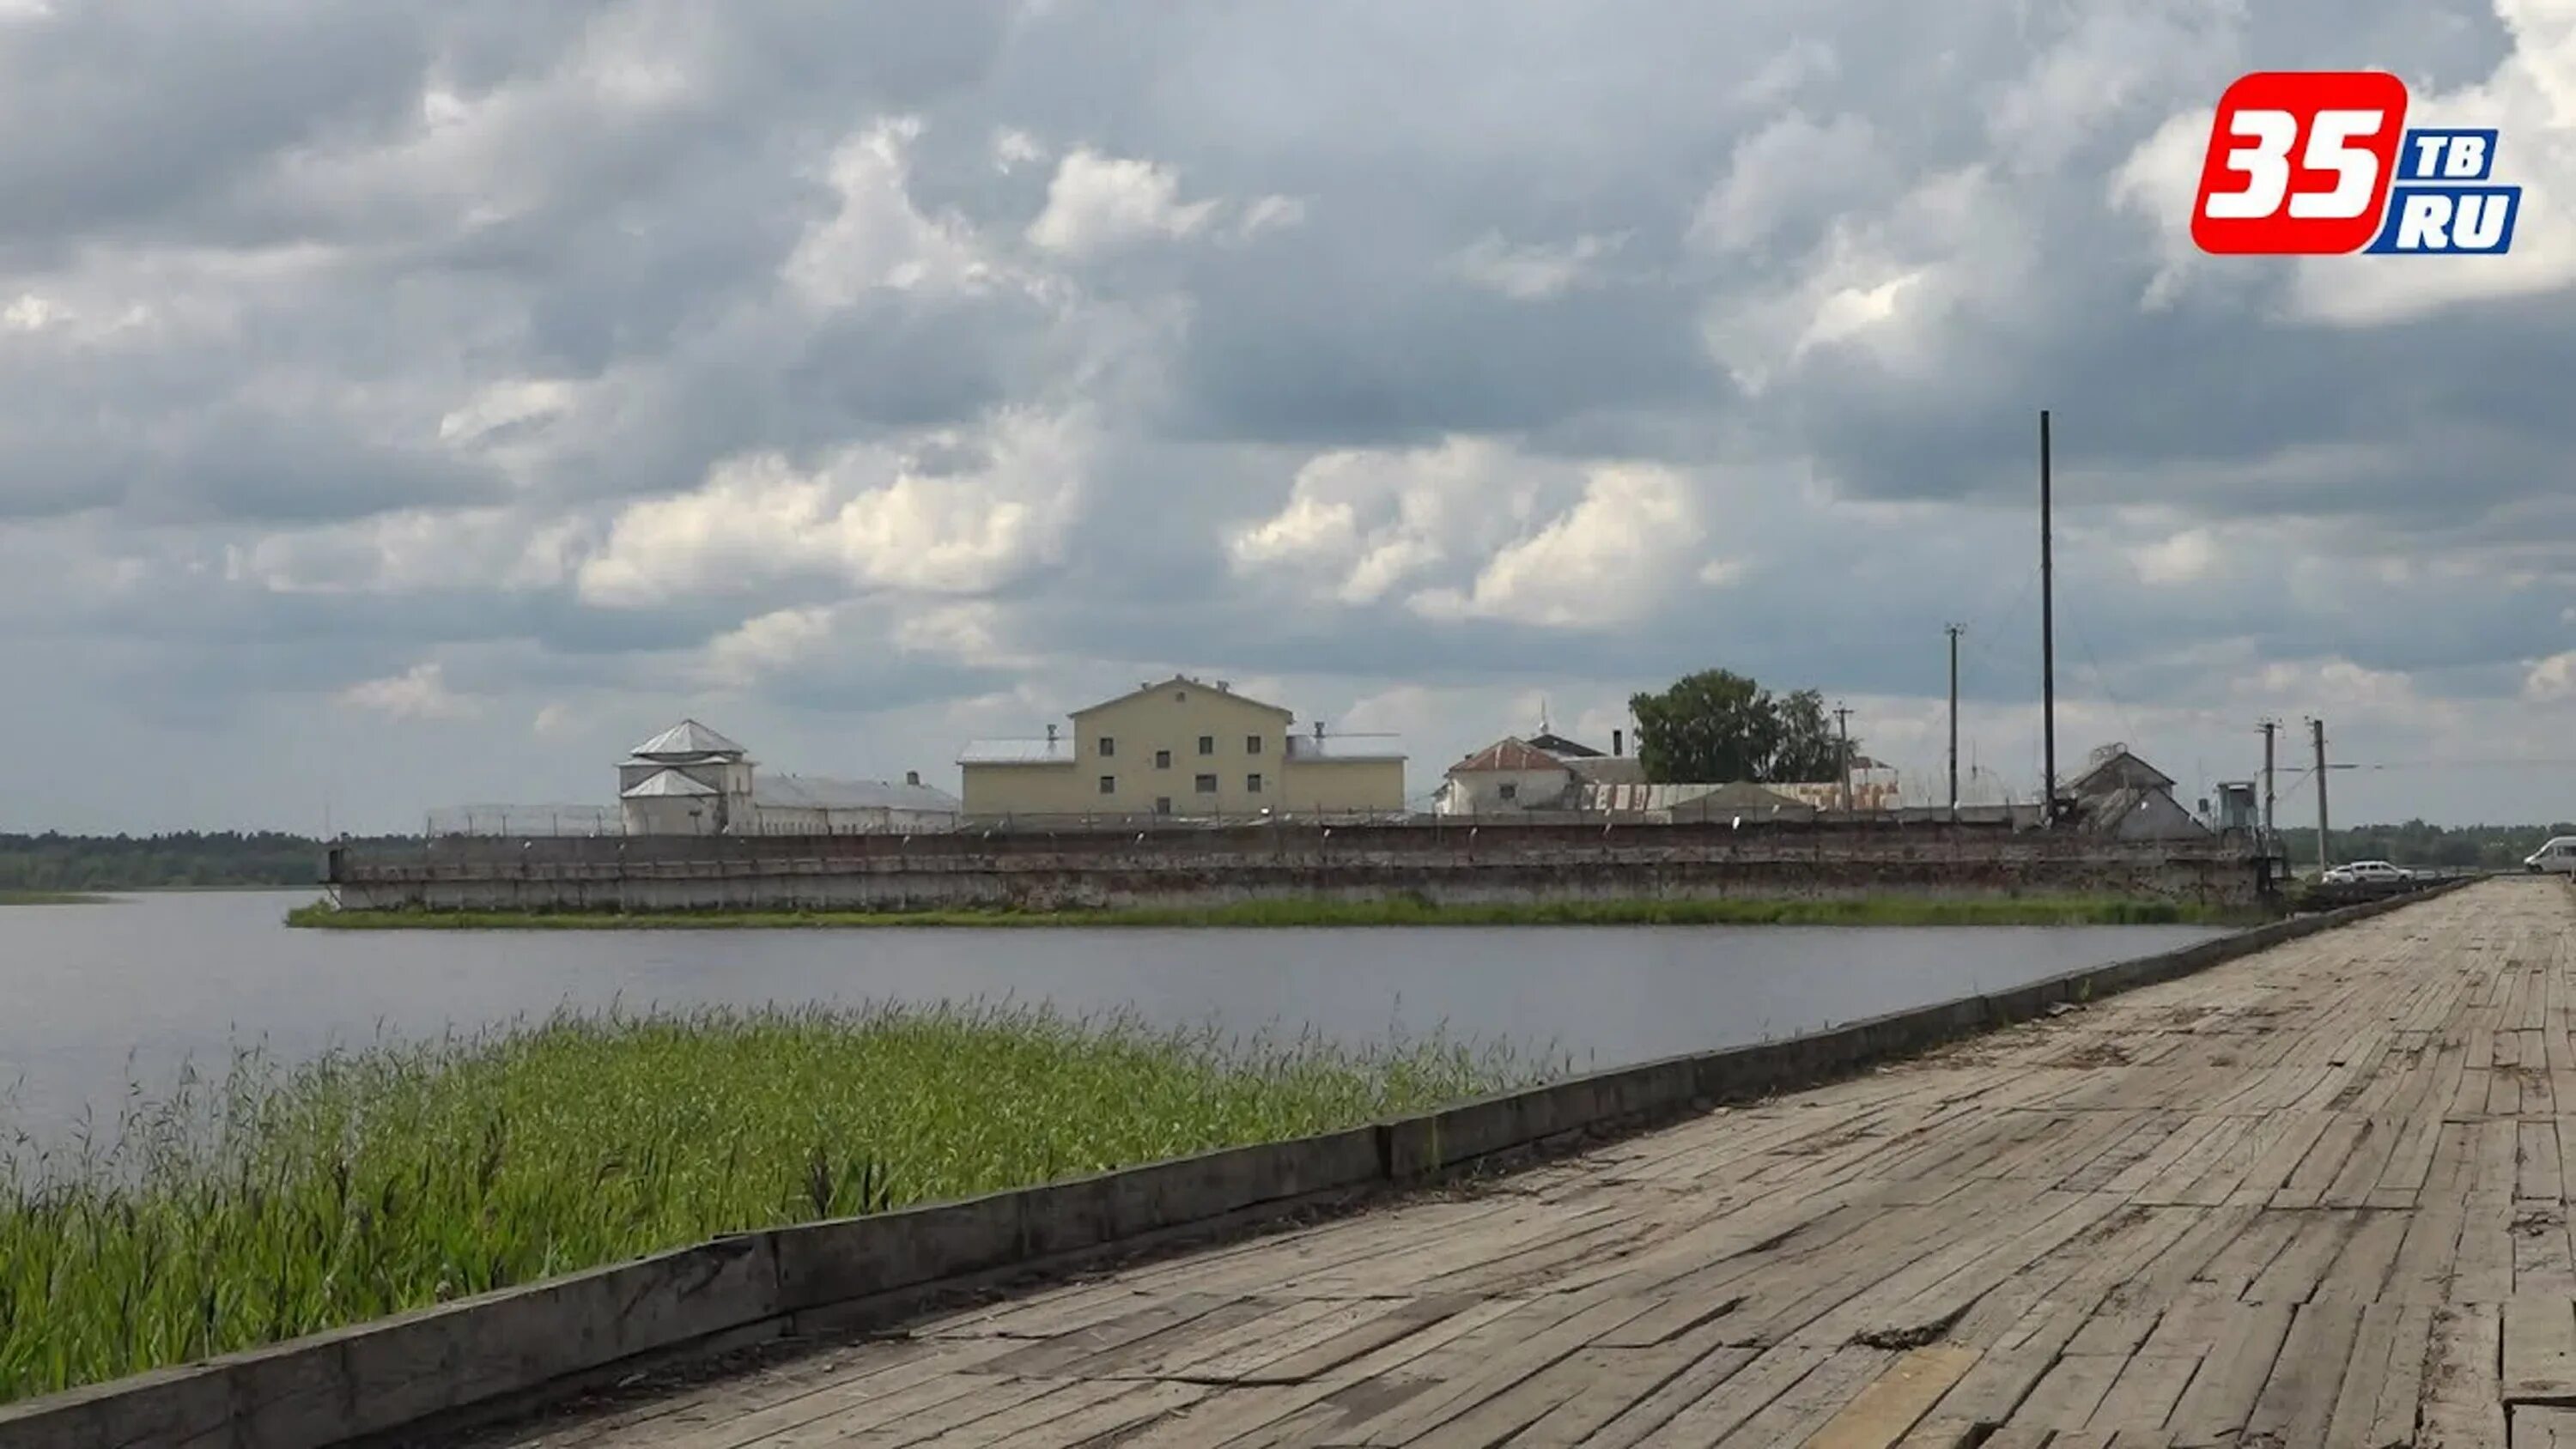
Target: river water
96	998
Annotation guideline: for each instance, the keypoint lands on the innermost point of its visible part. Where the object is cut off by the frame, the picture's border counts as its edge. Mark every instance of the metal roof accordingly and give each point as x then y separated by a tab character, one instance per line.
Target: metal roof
688	737
1017	752
1509	753
667	785
1183	681
813	792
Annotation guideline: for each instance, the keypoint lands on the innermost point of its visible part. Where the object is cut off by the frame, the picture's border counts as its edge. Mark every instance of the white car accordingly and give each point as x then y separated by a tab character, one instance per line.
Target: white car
2368	872
2558	856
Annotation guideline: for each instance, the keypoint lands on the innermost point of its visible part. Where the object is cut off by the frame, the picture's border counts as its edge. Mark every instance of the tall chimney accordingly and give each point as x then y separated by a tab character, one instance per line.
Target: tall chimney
1618	743
1050	734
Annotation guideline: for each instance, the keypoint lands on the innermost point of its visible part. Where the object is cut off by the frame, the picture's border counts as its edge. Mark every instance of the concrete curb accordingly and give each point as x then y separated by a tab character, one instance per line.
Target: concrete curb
515	1346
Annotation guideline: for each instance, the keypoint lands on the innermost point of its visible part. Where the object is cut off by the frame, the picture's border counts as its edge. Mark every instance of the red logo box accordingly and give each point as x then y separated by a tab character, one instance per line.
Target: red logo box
2299	163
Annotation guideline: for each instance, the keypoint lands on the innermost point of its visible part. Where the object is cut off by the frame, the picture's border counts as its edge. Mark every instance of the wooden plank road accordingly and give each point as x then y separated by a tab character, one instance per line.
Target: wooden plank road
2315	1197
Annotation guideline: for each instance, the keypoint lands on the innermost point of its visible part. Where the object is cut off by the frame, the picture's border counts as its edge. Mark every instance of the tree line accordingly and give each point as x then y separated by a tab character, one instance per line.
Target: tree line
57	862
2415	843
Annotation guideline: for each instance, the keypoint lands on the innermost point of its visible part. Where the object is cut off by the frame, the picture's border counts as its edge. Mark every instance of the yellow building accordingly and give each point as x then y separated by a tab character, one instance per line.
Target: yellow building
1182	748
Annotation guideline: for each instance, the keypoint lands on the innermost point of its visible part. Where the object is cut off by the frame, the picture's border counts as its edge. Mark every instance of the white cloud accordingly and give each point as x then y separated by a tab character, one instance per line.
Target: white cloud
877	237
1880	285
1792	171
420	692
767	645
870	517
1534	273
554	720
1013	149
2186	557
1270	213
1099	203
1606	561
1360	523
2553	678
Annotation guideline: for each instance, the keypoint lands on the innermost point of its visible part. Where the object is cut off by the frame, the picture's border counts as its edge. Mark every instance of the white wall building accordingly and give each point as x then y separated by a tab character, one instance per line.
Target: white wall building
690	780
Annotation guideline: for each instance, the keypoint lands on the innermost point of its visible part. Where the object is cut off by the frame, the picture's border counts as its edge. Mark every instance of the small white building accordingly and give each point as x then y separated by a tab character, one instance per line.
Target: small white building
691	780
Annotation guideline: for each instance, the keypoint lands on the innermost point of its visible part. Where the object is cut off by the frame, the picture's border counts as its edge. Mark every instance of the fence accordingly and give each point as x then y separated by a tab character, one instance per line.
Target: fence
527	820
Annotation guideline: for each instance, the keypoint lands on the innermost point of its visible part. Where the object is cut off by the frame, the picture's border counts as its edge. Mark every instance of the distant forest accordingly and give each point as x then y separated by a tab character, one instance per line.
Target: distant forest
2491	847
52	862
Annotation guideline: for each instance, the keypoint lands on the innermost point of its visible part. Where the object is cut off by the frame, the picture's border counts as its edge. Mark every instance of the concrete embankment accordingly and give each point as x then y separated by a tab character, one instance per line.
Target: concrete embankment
502	1352
1179	868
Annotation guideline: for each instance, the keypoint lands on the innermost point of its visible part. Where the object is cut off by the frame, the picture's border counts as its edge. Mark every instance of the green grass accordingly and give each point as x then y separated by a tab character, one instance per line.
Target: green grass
1867	911
50	898
278	1202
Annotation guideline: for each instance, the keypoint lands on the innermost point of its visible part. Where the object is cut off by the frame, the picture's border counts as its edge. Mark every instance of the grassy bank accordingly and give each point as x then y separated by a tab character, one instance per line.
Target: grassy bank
50	898
276	1202
1866	911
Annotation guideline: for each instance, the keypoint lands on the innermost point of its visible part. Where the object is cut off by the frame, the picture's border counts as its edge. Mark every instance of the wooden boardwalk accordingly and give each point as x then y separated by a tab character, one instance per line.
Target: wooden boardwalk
2316	1197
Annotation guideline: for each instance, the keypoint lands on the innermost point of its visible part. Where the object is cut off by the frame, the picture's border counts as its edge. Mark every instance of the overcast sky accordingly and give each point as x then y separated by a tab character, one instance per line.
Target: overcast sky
415	403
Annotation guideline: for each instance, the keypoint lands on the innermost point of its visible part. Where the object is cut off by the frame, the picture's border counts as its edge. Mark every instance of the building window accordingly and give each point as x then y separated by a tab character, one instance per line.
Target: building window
1108	747
1207	784
1109	784
1252	744
1162	759
1252	784
1510	791
1207	744
1162	804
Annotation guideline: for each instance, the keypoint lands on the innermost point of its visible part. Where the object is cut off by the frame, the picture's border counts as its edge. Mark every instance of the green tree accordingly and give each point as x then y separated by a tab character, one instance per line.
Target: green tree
1721	726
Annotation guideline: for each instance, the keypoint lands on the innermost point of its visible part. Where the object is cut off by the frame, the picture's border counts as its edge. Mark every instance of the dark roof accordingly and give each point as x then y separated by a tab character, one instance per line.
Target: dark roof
2112	767
1563	748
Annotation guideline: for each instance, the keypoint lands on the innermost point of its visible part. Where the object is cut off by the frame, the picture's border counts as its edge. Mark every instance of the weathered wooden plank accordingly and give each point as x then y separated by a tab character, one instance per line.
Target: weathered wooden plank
2298	1400
2222	1396
2462	1404
1888	1408
2539	1348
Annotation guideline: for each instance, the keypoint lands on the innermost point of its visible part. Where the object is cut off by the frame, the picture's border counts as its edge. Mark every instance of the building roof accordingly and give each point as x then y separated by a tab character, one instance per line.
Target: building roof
1017	752
1508	753
663	762
1747	797
1183	681
814	792
1563	748
2108	811
1609	769
1341	747
2114	766
687	738
669	784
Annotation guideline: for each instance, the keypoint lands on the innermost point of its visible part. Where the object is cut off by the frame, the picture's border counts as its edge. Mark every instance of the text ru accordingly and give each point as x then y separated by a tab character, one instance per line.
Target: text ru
2449	220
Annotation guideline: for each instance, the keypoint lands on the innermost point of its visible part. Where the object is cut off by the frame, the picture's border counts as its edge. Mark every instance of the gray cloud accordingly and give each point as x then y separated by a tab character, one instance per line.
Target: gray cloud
335	346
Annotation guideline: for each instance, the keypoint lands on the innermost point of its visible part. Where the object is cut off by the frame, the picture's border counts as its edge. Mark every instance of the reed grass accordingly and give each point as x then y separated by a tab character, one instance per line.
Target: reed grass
270	1202
1400	911
50	898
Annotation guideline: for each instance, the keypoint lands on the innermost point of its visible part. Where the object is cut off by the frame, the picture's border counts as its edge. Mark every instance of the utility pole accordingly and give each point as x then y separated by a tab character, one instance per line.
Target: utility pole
2317	729
2270	727
1842	726
2047	643
1954	721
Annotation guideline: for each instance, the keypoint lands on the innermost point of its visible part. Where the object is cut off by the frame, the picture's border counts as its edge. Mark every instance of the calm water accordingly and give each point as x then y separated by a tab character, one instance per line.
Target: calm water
94	996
